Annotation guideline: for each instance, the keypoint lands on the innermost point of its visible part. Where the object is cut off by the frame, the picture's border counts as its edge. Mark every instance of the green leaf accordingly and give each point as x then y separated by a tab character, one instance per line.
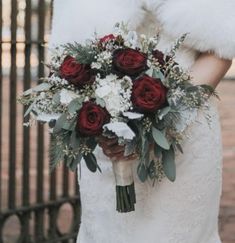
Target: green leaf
74	140
75	105
152	170
168	161
142	172
179	147
157	151
160	138
145	150
149	72
56	154
74	162
100	102
39	88
59	123
29	109
70	124
158	74
164	112
56	98
91	162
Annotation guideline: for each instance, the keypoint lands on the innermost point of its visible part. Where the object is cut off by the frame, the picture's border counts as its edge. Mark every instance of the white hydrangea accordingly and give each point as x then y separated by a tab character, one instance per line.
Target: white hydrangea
66	96
116	93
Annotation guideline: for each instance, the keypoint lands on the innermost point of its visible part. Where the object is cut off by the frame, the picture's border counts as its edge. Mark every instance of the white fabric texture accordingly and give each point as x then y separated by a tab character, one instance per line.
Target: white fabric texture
186	210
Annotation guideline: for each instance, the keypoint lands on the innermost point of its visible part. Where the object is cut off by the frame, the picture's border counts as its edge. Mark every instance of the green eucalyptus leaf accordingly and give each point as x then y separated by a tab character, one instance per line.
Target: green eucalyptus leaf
100	102
56	98
60	123
39	88
168	161
91	143
29	109
74	140
142	172
164	112
91	162
157	151
158	74
179	147
152	170
160	138
74	162
75	105
70	124
149	72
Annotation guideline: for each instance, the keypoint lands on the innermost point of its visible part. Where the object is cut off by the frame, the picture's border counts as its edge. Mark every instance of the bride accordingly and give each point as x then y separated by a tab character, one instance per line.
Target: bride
185	211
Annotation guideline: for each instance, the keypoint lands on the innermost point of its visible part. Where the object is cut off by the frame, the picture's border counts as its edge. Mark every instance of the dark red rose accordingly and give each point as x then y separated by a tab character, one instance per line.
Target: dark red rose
129	62
91	119
148	94
159	56
107	38
76	73
162	59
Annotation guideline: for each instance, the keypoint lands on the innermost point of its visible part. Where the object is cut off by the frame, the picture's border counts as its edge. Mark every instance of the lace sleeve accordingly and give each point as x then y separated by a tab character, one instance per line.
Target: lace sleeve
210	24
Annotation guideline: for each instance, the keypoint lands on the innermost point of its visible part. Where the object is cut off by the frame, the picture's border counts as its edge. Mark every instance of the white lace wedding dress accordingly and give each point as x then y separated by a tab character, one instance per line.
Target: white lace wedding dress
185	211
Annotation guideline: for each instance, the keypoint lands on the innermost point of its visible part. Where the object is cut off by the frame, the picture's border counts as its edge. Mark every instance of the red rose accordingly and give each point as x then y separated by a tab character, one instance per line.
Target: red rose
148	94
76	73
91	119
161	59
107	38
129	62
159	56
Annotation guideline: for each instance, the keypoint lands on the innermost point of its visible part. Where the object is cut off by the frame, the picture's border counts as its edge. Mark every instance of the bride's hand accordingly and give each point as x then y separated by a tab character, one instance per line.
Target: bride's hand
113	150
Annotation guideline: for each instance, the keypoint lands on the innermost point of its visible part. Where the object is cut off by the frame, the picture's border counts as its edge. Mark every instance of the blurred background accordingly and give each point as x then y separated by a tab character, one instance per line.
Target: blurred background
36	205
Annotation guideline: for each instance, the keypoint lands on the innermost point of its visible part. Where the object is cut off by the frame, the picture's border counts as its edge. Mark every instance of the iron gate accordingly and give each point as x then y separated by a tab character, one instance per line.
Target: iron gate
35	205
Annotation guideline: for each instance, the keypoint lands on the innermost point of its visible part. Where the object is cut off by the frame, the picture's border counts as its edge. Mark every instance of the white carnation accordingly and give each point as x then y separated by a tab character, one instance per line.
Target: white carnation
115	92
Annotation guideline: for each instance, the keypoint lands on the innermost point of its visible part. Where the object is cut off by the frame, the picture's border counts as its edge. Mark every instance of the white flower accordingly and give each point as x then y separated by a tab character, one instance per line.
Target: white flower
115	92
131	39
66	96
96	65
121	129
44	117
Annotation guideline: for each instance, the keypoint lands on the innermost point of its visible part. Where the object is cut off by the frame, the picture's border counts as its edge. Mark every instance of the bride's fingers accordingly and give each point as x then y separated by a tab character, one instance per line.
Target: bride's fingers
120	156
103	141
112	151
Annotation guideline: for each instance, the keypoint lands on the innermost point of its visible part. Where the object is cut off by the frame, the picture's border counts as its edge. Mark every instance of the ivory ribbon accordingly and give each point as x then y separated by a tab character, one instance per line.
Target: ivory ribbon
123	172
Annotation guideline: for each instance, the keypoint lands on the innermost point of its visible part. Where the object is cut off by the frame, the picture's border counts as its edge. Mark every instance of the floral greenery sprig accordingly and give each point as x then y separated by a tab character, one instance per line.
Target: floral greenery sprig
118	85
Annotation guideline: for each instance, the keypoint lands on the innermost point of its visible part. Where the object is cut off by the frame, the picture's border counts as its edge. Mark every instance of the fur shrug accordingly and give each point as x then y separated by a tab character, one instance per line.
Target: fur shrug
210	24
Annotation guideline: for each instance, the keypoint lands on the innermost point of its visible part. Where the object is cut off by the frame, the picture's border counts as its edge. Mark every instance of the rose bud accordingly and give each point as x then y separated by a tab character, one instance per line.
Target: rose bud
129	62
159	56
161	59
148	94
76	73
107	38
91	119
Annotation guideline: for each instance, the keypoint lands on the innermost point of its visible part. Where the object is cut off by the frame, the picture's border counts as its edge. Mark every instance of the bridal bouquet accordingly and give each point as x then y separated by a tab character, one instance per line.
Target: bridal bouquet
118	85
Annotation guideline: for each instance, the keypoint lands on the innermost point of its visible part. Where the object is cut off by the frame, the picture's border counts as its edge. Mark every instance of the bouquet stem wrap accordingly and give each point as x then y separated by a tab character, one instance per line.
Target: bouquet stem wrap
125	189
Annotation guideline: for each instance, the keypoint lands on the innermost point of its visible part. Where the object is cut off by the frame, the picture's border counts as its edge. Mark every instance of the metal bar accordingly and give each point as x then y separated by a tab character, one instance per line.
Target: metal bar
39	215
1	80
14	42
12	117
53	211
39	206
25	219
65	180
